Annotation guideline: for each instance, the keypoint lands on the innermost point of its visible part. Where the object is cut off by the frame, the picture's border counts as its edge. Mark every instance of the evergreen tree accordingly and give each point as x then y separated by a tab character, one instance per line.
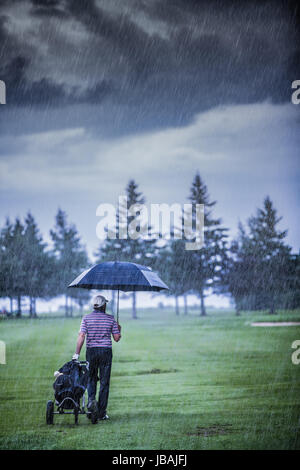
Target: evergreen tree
270	252
71	257
139	250
26	268
109	250
205	266
38	263
7	268
292	296
258	274
239	271
15	273
134	248
172	265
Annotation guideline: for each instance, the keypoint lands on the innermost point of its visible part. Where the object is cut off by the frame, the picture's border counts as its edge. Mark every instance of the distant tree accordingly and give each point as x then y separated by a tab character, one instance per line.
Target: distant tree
239	270
7	269
81	297
172	265
25	267
138	249
13	268
205	266
109	250
292	296
38	264
71	256
258	274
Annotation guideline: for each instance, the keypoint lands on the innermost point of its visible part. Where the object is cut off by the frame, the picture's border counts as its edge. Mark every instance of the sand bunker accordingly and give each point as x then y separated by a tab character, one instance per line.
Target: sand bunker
281	323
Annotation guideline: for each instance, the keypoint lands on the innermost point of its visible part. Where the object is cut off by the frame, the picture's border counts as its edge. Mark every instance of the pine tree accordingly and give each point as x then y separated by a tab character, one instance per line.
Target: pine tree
109	250
205	266
134	248
7	269
239	270
71	256
37	263
292	296
172	266
139	250
17	266
259	270
270	252
21	250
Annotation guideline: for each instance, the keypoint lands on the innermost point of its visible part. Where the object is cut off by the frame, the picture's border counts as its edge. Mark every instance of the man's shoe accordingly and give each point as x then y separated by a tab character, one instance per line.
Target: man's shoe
93	409
102	418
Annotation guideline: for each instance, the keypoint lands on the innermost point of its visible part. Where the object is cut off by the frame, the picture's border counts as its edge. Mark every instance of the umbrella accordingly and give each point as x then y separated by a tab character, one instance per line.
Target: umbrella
119	275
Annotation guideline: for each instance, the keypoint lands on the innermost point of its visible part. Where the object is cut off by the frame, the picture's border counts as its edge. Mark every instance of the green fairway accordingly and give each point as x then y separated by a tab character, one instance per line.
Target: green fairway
177	383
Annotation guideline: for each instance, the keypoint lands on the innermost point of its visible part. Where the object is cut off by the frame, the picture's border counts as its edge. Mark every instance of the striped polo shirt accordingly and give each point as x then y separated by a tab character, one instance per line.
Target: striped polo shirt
98	327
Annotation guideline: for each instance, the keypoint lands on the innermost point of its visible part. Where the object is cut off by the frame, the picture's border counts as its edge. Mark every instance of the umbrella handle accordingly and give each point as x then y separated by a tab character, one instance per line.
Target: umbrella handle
118	307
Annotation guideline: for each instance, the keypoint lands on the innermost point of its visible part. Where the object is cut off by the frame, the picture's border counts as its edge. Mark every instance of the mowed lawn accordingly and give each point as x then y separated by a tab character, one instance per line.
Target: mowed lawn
177	383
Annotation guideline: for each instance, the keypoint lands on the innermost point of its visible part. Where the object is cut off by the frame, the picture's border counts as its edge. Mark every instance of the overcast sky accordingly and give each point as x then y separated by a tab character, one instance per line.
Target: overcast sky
102	91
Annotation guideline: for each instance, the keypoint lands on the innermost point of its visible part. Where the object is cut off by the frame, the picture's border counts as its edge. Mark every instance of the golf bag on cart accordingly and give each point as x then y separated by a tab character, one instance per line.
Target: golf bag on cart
69	388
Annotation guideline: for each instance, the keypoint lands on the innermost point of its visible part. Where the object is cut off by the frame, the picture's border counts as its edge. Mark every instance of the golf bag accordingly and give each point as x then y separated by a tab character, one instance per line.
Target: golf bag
71	385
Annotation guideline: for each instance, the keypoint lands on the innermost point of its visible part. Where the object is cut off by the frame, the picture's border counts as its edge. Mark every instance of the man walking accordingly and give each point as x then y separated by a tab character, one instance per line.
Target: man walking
98	327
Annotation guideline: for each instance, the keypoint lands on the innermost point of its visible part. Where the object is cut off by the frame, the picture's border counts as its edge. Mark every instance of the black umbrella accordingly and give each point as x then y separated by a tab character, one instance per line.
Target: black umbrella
119	275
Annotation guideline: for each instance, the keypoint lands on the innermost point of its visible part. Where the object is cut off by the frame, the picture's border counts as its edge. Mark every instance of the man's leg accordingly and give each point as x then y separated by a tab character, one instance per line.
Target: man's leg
105	369
91	357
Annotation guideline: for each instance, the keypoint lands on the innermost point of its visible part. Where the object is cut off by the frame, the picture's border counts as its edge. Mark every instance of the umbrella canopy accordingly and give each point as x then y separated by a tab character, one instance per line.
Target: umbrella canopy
119	275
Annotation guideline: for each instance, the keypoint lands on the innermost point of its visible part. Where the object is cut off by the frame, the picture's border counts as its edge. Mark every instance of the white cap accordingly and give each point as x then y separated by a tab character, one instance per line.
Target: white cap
99	301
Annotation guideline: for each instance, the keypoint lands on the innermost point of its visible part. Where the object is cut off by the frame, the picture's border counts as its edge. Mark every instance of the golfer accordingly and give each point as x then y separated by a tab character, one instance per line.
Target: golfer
98	327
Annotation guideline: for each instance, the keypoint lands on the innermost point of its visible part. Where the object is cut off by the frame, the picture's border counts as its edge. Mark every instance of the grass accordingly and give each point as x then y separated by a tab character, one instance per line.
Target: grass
177	383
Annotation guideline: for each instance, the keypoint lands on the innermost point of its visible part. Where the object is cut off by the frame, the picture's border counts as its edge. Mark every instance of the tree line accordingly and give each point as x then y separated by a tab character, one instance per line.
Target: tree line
29	268
257	268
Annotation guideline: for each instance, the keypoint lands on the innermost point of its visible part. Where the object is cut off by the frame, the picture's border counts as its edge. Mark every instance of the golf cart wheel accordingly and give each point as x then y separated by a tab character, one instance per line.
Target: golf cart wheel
94	412
50	412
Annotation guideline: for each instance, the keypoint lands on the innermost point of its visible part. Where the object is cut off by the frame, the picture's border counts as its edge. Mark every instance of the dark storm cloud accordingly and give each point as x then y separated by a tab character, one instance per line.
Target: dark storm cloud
142	53
47	8
164	60
3	35
44	91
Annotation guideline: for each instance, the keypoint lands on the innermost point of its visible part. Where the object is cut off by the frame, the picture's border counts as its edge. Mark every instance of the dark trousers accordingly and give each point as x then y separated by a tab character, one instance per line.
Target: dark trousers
100	360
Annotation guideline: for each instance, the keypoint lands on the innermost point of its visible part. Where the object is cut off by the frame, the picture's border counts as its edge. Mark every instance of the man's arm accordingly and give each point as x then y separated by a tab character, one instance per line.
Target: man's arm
117	336
81	338
80	341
